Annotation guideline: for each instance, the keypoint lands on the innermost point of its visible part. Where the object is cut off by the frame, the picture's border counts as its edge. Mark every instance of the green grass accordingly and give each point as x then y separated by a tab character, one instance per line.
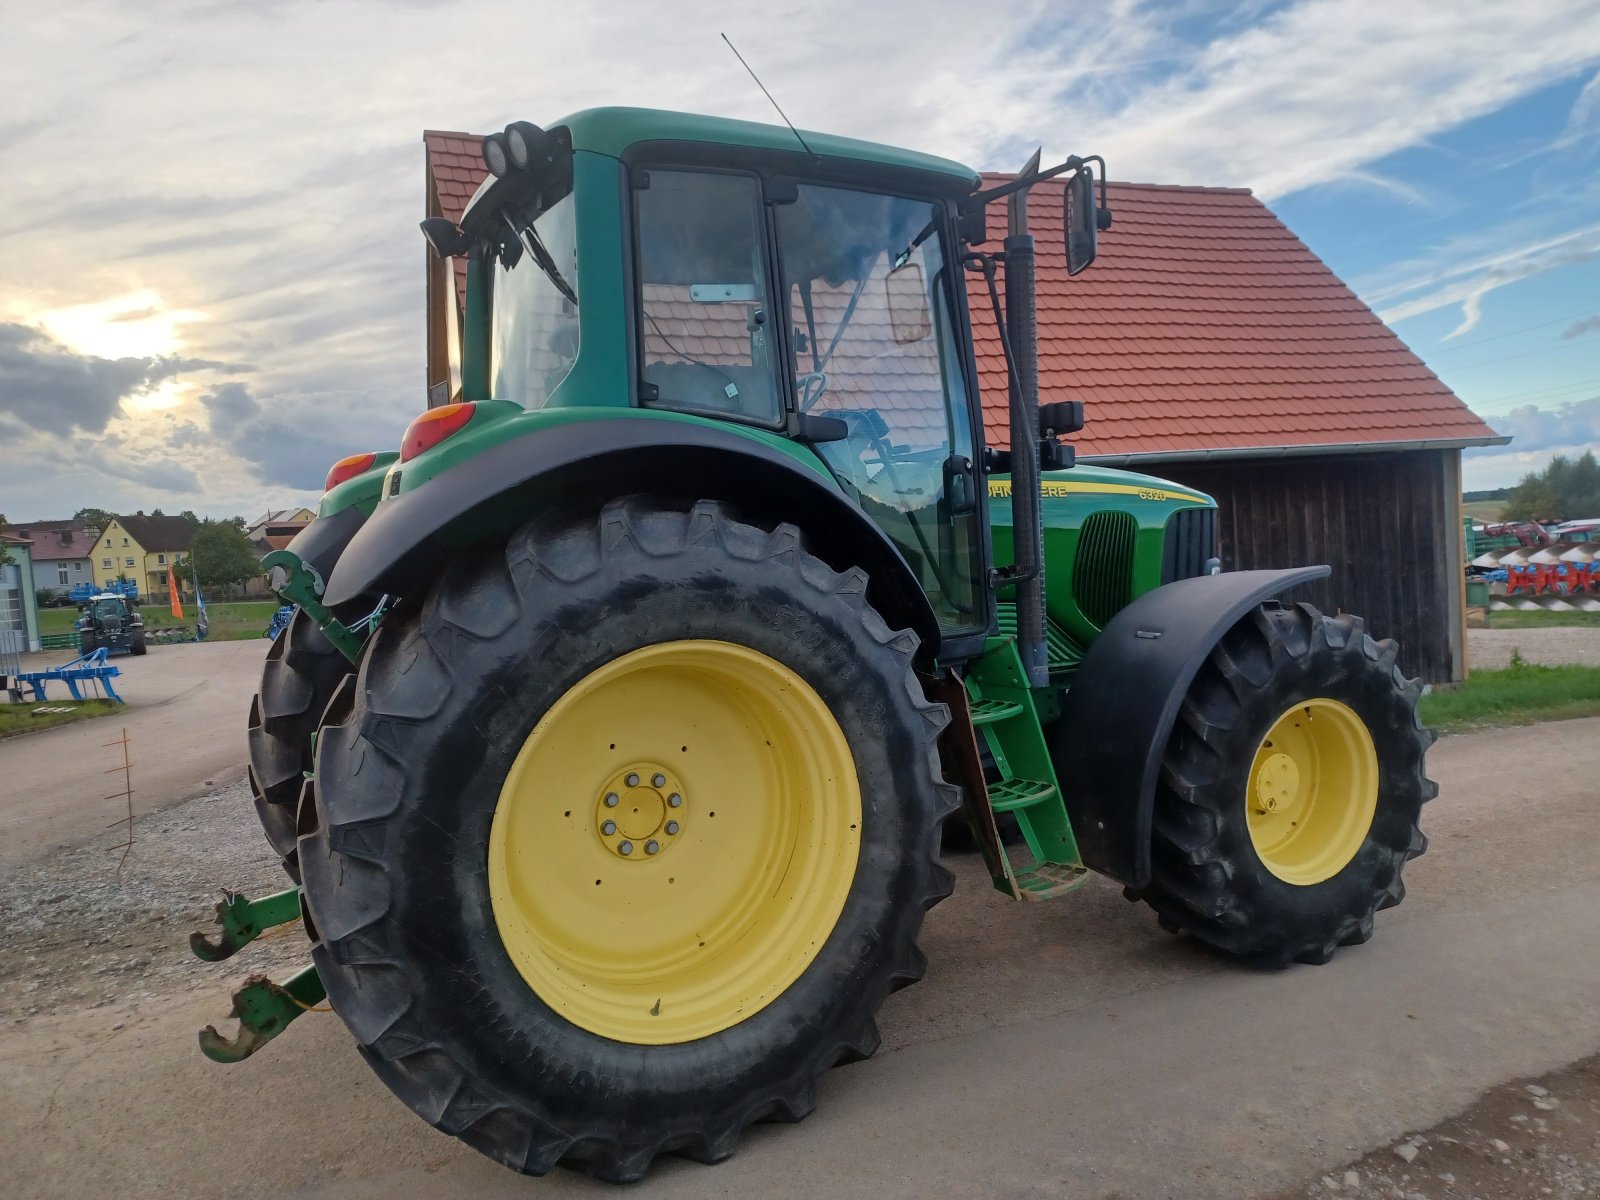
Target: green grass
229	622
17	719
1519	695
1515	618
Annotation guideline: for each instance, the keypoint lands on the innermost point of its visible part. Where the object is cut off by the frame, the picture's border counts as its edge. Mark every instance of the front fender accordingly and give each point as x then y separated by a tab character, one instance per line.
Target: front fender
412	536
1116	719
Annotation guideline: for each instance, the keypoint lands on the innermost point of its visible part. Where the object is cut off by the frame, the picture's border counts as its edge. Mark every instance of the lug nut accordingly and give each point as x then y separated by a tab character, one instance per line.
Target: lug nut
658	780
672	827
611	799
652	846
608	828
633	779
674	800
625	848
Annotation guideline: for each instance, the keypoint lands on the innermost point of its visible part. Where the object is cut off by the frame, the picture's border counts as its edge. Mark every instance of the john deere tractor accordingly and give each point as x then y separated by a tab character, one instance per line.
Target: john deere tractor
613	740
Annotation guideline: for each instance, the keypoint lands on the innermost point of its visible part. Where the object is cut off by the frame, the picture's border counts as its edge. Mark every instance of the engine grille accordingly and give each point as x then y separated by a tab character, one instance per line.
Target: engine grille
1190	544
1102	576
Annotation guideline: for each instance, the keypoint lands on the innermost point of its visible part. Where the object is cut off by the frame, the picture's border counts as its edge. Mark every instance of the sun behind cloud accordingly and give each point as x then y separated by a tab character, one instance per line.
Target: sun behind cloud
136	325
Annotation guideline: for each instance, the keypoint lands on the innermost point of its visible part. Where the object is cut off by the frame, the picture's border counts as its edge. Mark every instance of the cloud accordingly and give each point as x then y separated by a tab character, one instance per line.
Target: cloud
1537	435
276	194
1578	328
291	440
45	386
161	473
1565	427
1450	281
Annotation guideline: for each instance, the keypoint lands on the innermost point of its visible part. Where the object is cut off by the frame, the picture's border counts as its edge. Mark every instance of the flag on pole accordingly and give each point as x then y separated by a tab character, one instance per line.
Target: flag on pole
172	585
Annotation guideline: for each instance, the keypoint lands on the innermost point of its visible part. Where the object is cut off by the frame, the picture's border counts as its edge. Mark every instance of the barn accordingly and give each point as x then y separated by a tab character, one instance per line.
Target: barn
1213	348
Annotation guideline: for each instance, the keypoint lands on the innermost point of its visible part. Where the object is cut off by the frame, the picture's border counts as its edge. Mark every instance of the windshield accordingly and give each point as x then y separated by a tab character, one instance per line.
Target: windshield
535	338
874	342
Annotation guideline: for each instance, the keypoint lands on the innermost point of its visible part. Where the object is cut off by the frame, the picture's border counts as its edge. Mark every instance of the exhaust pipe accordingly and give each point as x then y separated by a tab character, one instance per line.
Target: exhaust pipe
1027	519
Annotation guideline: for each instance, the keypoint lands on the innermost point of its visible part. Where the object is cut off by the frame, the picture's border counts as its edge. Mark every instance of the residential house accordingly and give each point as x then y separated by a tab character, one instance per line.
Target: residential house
63	552
1212	347
19	613
274	531
299	518
143	549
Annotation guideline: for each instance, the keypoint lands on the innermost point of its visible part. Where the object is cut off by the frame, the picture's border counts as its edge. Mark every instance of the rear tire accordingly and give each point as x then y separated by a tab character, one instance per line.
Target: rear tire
450	702
1250	894
302	672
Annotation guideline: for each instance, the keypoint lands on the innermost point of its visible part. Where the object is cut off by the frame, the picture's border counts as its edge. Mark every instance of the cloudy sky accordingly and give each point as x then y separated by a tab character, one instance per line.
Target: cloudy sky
211	280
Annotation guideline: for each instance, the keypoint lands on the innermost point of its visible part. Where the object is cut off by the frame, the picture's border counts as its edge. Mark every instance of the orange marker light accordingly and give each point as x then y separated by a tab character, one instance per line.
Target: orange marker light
433	426
348	468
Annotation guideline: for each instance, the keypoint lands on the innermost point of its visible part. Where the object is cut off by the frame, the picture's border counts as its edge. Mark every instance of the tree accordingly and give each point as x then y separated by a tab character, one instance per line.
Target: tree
1568	488
188	515
5	555
98	517
223	553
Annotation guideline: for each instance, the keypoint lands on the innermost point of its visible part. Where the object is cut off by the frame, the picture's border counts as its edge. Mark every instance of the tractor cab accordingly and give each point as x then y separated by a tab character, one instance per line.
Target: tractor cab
807	288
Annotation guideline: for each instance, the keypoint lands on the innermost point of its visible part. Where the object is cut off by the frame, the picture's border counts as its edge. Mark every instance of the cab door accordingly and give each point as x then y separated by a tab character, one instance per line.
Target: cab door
872	326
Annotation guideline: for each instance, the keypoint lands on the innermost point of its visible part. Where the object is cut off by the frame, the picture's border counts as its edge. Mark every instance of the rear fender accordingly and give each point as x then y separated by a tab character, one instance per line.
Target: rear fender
582	464
1116	719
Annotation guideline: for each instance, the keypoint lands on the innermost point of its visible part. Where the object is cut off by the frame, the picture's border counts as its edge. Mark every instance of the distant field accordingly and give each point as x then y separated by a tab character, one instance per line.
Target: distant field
229	622
1487	511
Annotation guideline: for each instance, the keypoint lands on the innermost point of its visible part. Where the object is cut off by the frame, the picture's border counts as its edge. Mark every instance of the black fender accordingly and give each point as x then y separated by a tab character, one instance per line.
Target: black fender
321	543
582	464
1119	713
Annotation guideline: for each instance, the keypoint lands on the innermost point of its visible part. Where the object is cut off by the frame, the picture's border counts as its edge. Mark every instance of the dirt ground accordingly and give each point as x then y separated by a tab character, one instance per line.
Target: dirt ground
185	720
1521	1141
1553	646
1059	1050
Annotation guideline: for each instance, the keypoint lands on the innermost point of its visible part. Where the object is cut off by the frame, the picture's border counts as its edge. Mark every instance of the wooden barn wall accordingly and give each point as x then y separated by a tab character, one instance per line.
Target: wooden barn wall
1386	523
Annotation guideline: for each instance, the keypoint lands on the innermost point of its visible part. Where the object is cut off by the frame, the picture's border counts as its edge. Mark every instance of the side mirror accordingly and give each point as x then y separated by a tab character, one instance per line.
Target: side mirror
1079	219
907	294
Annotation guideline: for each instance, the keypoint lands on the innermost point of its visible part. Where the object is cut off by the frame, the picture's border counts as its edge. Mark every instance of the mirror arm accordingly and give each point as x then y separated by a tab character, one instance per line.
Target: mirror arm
980	199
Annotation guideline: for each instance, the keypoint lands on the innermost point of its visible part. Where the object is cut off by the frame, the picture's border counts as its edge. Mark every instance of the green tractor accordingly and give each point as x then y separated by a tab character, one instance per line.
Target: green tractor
612	743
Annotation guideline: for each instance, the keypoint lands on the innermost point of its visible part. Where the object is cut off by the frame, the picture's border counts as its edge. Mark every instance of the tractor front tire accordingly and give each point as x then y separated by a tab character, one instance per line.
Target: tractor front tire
1290	791
629	832
302	672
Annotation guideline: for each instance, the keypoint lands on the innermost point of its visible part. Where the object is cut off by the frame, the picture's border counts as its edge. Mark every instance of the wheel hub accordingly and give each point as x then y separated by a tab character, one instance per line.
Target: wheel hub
1277	783
640	812
1312	791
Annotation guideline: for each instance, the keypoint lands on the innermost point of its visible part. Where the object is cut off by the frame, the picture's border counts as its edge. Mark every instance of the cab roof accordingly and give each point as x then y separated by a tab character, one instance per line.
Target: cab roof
613	130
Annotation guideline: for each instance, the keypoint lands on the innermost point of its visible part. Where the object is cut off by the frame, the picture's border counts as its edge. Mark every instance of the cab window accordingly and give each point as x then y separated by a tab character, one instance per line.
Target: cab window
704	317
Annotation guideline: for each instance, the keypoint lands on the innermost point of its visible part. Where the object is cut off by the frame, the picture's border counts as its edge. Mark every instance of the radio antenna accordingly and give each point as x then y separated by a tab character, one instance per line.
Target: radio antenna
768	95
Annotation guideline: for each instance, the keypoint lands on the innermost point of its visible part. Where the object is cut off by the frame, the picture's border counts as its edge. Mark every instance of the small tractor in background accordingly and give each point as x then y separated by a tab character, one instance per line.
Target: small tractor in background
613	739
110	621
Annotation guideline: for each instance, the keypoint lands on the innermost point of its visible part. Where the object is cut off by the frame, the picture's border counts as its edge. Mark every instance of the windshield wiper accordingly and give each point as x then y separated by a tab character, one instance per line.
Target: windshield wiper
540	255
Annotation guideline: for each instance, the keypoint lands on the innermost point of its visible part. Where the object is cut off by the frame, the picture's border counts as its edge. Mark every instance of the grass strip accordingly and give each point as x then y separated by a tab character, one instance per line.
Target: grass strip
1518	695
230	622
17	719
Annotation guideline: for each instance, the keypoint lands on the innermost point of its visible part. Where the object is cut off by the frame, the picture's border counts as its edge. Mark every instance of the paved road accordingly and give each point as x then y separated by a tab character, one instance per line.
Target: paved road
1061	1050
187	706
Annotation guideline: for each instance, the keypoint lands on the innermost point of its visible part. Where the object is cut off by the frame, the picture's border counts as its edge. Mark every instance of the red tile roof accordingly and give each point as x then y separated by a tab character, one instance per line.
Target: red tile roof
58	540
1204	325
455	169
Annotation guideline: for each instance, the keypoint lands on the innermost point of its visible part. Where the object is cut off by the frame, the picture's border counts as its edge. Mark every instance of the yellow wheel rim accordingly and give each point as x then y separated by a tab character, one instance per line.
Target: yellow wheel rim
1312	792
675	842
